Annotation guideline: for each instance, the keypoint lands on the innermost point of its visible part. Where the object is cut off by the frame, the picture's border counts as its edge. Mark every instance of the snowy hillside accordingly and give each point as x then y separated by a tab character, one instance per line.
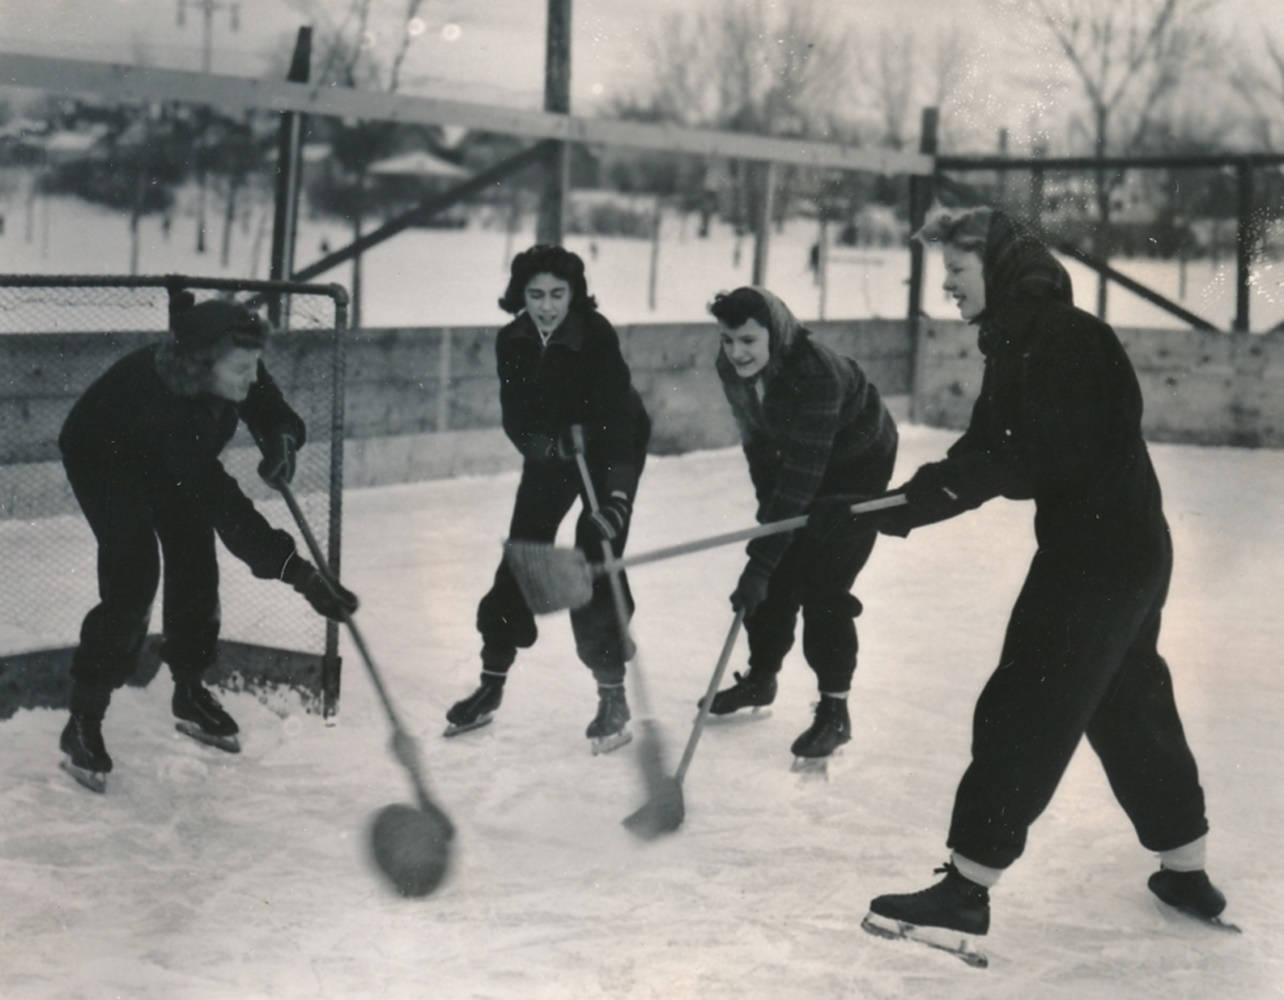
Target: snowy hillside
201	876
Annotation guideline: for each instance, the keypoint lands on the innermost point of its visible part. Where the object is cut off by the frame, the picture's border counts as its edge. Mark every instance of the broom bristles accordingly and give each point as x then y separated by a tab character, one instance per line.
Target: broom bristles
549	578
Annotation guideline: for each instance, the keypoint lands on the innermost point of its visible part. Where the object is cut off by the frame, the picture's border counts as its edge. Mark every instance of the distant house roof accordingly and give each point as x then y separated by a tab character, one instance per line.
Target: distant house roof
73	143
417	163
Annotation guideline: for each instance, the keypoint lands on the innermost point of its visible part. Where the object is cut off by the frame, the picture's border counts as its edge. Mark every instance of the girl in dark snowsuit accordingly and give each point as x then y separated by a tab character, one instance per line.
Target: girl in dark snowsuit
141	449
559	364
811	425
1058	421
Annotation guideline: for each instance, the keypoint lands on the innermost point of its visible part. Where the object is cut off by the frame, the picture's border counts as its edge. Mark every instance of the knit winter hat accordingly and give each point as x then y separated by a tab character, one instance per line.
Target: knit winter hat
202	326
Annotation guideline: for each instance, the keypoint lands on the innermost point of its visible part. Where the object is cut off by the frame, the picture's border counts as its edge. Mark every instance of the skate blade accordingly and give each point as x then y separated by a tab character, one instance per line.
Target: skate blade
811	767
955	943
1216	923
758	713
605	744
228	744
95	781
818	767
454	729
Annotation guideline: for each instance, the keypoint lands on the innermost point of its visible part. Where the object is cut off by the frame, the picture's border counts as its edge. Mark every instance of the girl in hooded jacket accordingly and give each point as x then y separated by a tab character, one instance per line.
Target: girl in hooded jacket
1057	421
141	450
812	425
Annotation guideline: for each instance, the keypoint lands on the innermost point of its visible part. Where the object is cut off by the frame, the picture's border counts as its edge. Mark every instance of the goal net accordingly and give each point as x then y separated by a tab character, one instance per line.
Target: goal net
58	333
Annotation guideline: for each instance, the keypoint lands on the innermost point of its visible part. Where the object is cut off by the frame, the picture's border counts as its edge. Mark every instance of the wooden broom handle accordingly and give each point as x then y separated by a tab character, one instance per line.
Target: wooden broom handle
757	531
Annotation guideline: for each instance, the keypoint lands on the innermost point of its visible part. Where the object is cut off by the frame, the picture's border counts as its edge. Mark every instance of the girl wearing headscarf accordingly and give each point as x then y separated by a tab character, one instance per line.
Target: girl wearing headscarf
1057	421
811	425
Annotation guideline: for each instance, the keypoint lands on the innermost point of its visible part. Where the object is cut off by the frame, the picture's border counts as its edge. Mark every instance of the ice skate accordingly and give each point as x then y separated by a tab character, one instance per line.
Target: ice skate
830	729
946	916
609	730
85	755
1192	894
478	708
201	717
749	691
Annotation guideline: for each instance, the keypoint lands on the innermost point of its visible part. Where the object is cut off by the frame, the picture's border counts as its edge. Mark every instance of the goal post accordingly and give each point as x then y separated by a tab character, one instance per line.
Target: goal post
58	333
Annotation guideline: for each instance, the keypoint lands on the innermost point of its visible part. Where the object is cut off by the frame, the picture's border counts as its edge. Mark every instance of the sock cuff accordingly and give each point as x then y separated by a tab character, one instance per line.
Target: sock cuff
1186	858
841	695
974	871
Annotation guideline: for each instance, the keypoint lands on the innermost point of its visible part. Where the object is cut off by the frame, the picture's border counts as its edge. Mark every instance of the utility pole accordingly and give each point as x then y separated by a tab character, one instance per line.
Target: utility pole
288	174
551	222
207	9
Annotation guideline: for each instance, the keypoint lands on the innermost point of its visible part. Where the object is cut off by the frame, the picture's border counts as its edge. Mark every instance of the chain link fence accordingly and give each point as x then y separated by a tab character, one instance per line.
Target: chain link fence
58	333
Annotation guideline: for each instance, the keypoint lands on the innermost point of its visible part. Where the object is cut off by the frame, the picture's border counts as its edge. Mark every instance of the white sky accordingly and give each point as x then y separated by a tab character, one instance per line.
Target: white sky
496	55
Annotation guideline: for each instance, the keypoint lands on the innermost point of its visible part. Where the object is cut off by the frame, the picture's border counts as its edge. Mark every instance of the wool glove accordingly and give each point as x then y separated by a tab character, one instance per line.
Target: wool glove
280	455
751	591
612	517
327	597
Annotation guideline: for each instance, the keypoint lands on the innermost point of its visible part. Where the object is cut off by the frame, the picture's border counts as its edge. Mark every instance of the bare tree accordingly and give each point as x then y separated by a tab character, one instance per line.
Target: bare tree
1129	58
1261	86
348	57
771	68
902	70
752	66
888	72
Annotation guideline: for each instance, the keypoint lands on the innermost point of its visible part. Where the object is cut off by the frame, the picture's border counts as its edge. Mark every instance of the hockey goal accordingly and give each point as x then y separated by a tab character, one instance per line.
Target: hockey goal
60	332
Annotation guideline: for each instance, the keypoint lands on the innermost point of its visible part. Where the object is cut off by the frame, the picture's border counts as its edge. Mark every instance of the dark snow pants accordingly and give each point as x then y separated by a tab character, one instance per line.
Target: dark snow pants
545	494
815	576
128	516
1080	657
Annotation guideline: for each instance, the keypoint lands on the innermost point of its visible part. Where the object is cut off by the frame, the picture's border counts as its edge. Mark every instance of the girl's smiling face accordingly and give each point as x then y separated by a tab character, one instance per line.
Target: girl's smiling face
747	347
234	372
548	299
965	280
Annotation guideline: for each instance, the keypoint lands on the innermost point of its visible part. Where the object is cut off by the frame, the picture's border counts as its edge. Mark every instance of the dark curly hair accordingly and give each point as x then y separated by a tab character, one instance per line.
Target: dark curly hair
546	258
736	307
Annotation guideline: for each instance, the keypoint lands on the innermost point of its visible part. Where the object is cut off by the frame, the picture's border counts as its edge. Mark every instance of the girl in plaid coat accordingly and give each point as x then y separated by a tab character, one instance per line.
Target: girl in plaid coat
812	425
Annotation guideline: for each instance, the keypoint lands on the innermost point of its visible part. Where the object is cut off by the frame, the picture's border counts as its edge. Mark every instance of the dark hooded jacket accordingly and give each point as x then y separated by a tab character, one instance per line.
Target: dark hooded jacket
1058	415
819	429
579	377
134	422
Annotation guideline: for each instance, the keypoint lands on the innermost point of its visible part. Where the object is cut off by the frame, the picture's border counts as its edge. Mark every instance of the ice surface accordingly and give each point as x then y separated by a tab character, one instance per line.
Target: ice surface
202	876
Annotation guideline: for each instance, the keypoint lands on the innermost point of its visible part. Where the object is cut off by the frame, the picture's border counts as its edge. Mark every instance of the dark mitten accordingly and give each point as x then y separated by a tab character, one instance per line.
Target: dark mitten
828	513
547	448
751	591
280	455
610	520
929	497
327	597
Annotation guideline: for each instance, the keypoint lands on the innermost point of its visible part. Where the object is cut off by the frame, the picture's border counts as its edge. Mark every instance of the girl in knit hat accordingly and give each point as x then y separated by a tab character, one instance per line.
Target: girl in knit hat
141	449
1057	421
811	425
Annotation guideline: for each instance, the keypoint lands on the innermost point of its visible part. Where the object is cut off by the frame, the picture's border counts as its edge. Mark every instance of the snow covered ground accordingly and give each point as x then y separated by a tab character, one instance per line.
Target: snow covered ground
425	277
202	876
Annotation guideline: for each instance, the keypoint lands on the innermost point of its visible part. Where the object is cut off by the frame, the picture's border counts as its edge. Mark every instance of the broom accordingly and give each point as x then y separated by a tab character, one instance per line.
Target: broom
411	846
664	812
553	578
660	786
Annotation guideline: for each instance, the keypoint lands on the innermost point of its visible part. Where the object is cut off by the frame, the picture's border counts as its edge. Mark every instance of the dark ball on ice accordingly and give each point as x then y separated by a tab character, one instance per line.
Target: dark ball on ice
412	847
